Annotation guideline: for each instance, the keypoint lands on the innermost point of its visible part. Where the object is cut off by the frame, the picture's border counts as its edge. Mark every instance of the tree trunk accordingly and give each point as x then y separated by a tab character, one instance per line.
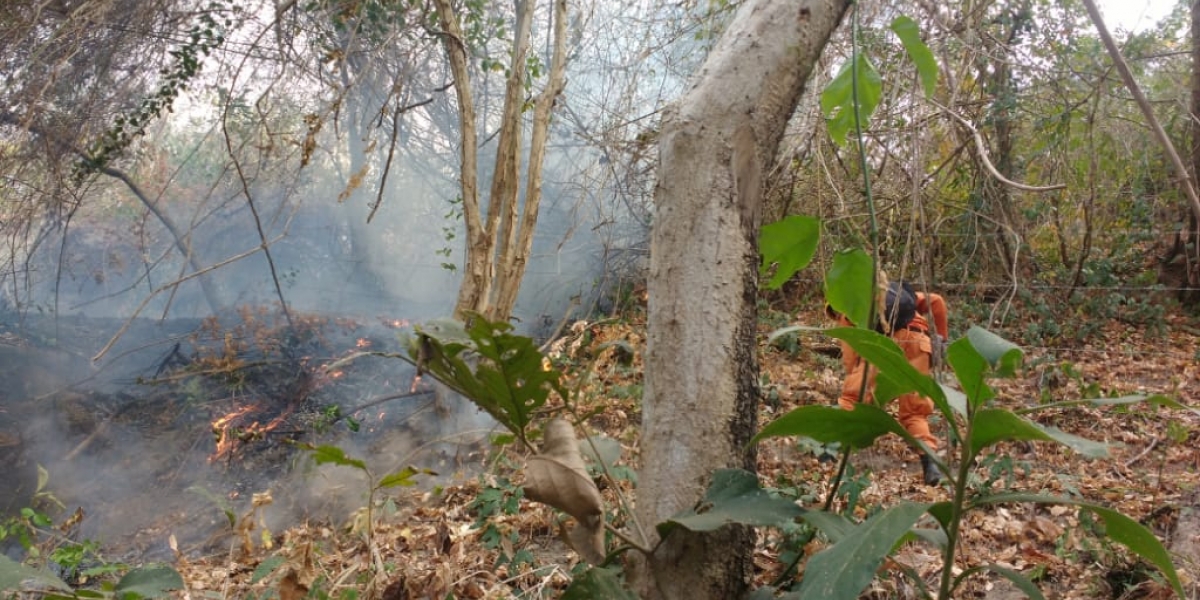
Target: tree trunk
701	392
498	245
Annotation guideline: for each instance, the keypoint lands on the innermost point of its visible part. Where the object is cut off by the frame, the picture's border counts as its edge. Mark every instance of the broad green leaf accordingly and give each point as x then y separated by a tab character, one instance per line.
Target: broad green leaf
956	399
14	574
971	369
402	478
844	569
896	375
994	425
151	581
1117	527
849	285
500	372
1022	582
906	29
856	428
789	244
859	85
941	511
333	454
1002	355
598	583
734	496
833	525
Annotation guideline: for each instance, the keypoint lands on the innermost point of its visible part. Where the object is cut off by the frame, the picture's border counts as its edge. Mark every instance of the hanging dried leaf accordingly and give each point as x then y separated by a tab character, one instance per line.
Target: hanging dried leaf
557	477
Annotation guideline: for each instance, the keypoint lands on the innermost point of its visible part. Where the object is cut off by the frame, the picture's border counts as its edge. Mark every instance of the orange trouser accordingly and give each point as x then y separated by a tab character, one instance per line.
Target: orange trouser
914	408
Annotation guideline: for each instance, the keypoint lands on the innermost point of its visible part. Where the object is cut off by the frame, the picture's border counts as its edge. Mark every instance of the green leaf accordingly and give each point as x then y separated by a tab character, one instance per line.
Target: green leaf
843	570
1118	527
849	285
835	526
1002	355
910	35
971	369
734	496
856	429
403	477
789	244
332	454
857	80
598	583
14	574
152	581
500	372
266	567
994	425
1019	580
896	375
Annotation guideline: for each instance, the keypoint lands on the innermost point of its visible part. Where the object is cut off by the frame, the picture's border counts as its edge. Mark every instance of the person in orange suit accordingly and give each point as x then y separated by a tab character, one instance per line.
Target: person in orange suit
920	347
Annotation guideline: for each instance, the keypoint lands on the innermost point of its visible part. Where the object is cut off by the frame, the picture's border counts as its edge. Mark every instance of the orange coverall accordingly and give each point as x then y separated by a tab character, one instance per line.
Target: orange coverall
914	340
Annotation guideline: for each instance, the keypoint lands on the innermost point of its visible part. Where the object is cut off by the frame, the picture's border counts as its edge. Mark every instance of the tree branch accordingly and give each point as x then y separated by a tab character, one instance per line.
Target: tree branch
987	162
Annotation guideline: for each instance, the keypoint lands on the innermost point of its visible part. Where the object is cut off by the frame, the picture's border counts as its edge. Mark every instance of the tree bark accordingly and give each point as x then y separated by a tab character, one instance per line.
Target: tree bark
515	256
477	269
701	391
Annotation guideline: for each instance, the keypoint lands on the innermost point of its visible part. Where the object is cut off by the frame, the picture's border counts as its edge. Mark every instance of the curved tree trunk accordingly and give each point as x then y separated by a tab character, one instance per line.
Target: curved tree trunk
701	392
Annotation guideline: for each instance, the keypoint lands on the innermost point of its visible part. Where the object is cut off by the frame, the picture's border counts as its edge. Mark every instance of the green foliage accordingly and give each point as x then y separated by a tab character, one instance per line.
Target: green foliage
501	372
332	455
788	244
734	496
501	497
906	29
845	568
850	286
851	97
206	35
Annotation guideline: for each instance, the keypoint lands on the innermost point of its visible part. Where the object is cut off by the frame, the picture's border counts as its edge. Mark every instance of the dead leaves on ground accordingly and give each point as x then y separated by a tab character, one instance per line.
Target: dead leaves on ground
432	549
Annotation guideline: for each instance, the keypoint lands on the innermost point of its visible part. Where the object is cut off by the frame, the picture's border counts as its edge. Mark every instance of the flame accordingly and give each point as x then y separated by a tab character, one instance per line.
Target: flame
228	434
363	343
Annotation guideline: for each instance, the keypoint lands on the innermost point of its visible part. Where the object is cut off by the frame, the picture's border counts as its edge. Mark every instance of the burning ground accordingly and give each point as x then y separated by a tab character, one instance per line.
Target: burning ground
476	537
189	420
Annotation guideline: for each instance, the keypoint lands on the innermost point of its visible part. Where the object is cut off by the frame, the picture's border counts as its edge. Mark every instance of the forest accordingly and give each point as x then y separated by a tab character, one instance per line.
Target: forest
395	299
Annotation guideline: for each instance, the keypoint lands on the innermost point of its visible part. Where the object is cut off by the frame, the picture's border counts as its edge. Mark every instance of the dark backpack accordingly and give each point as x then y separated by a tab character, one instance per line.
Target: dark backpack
900	306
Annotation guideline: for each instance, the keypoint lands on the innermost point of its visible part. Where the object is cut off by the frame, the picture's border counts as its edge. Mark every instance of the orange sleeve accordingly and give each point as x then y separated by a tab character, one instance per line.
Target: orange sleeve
934	303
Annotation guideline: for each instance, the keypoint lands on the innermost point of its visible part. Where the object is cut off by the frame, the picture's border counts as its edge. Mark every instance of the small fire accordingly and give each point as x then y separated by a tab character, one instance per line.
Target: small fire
229	434
363	343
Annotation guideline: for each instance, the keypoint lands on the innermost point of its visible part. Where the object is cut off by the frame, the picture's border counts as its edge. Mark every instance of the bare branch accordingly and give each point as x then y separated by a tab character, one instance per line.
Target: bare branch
987	162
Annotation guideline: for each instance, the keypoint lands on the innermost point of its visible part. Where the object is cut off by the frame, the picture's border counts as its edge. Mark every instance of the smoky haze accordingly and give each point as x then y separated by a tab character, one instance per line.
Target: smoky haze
133	437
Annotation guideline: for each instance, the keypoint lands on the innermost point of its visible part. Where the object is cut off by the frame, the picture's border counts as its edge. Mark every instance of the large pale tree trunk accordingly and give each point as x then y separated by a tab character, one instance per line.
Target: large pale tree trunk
701	389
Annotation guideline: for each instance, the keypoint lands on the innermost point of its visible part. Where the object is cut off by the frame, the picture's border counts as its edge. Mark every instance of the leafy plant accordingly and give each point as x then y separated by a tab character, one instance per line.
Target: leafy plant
859	548
405	477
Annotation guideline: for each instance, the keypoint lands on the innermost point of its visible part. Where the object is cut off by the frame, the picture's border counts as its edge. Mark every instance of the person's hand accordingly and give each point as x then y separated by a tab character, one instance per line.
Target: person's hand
938	353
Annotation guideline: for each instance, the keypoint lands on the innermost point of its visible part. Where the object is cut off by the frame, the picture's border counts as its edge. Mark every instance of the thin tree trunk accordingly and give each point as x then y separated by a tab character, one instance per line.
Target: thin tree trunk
514	260
477	268
1186	181
701	392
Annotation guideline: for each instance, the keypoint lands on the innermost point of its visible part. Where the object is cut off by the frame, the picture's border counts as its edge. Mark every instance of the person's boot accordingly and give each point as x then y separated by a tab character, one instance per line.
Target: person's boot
930	470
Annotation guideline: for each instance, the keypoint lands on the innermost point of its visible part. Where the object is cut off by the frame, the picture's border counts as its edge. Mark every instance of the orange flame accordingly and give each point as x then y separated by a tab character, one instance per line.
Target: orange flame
228	434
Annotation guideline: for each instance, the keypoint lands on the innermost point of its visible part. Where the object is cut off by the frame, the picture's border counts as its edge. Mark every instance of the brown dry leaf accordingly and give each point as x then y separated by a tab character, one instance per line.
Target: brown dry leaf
557	477
290	588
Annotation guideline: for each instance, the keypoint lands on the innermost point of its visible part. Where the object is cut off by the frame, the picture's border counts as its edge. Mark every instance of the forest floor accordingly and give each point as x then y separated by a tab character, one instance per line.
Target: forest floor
473	536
